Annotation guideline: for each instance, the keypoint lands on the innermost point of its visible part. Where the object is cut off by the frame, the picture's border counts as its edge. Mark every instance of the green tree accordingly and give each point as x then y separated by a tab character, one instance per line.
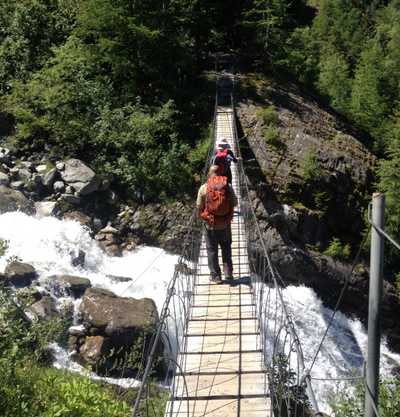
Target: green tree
389	183
368	106
334	79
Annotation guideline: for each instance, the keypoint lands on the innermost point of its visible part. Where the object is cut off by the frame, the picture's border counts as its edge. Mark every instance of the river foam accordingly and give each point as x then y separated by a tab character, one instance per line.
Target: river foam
49	244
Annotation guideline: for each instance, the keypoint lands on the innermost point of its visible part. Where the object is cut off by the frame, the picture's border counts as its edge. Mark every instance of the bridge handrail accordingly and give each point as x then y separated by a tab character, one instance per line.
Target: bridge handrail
274	274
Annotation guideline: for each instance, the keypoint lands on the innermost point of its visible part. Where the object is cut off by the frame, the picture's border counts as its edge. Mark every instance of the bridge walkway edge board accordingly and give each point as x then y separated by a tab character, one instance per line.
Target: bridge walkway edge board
222	373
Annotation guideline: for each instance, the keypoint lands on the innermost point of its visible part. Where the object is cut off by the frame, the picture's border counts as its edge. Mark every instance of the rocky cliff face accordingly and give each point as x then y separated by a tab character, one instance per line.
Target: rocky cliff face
308	158
310	183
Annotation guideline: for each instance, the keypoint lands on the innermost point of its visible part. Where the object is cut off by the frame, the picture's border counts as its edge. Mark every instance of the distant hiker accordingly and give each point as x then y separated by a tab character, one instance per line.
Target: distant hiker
216	200
223	157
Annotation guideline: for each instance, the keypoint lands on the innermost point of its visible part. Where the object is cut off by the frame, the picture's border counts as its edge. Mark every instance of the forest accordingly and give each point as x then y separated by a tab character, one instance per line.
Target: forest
123	85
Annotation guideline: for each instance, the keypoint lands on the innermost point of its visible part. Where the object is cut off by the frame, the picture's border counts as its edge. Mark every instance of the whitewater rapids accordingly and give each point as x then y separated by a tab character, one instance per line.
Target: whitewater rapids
49	245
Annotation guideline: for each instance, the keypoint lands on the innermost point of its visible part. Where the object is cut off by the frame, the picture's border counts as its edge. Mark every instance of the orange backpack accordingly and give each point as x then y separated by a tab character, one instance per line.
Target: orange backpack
218	209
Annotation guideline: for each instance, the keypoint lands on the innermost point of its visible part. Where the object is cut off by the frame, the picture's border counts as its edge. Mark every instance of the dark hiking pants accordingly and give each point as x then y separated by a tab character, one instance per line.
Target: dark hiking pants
223	238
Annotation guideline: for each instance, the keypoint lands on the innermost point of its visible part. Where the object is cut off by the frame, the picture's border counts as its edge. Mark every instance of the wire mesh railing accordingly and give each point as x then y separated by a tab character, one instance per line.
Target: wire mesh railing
168	338
289	382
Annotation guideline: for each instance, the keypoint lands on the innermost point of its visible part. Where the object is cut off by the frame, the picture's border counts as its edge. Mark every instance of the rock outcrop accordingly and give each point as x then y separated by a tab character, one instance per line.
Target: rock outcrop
20	274
12	200
79	176
113	326
317	162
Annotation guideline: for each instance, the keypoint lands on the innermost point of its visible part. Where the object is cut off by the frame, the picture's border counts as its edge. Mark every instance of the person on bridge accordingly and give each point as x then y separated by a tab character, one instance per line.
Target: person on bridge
216	200
223	157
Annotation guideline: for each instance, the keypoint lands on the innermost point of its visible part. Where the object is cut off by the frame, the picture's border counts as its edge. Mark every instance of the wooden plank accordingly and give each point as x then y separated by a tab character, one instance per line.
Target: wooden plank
222	372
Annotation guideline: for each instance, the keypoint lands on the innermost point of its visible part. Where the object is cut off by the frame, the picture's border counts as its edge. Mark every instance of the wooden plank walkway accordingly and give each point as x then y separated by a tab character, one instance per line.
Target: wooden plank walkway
221	372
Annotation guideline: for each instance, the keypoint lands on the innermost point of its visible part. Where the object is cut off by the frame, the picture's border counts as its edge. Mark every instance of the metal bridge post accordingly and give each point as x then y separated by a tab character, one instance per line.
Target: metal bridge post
375	296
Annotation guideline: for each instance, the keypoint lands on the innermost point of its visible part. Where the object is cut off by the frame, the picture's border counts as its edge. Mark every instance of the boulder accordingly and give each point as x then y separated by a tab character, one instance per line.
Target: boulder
41	169
94	349
45	308
80	176
75	286
71	199
60	165
4	154
45	208
20	274
17	185
78	216
117	317
58	187
4	179
49	178
115	325
24	174
108	239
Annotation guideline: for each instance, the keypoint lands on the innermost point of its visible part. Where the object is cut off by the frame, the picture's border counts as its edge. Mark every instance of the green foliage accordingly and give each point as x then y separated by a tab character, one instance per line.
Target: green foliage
310	168
271	135
389	183
334	79
27	388
350	403
338	250
268	115
289	398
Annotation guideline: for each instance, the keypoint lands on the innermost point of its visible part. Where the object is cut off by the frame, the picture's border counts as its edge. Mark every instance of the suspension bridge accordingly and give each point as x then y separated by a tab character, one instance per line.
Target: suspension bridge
231	349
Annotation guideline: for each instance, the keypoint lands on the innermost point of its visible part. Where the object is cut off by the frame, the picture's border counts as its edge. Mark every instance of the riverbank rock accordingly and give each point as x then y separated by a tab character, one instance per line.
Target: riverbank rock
45	308
45	208
75	286
109	241
317	162
113	323
12	200
80	176
20	274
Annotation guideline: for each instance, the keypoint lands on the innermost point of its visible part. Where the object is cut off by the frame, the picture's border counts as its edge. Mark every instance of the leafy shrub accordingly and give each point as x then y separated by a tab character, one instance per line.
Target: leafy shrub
271	136
269	116
350	403
29	389
337	250
310	167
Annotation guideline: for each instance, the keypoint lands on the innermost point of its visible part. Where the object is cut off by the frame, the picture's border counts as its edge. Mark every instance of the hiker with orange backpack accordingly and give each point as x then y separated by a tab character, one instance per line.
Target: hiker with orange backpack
223	157
216	200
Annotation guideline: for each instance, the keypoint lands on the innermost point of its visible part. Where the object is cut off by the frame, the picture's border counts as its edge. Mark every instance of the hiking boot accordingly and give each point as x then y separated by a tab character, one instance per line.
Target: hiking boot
216	279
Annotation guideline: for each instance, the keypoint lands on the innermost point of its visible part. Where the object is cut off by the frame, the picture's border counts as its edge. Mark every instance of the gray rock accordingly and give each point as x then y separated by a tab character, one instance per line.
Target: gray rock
11	200
94	349
41	169
80	176
17	185
69	189
20	274
45	308
60	166
45	208
58	187
14	172
117	278
4	179
72	199
102	309
49	177
97	224
75	286
24	174
4	154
